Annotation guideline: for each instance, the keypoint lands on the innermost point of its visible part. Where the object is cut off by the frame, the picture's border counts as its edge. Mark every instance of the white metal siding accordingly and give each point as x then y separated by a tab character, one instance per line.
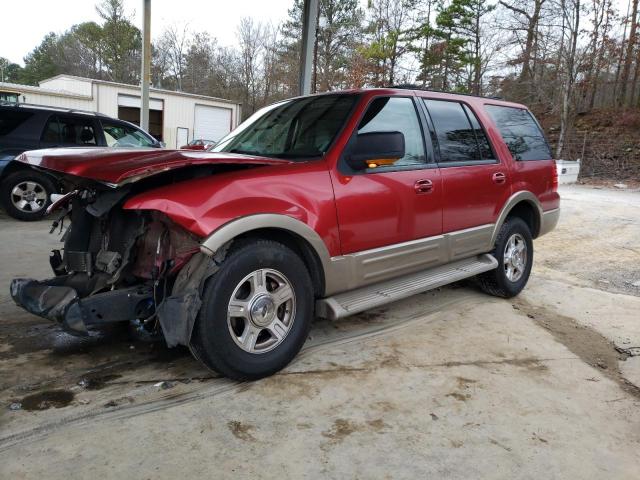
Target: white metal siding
179	110
71	85
211	123
133	101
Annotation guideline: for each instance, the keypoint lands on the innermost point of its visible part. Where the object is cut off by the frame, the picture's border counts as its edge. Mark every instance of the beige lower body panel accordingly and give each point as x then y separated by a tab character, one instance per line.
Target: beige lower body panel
371	266
549	221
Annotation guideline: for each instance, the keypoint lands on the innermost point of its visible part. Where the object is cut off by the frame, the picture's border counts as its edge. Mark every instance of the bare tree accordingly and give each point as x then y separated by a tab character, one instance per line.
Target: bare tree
571	10
528	16
174	44
251	49
628	56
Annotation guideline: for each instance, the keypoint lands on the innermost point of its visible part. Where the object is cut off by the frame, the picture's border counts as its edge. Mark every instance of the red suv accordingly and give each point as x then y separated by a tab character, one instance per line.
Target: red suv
325	205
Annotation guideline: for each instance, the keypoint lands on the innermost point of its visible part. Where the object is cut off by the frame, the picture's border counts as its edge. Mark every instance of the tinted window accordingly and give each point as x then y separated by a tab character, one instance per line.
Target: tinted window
10	97
460	137
483	142
122	135
70	131
51	131
396	114
12	119
299	128
520	132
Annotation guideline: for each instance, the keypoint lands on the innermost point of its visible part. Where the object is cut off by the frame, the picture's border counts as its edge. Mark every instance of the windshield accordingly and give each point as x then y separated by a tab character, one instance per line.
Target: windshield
119	135
300	128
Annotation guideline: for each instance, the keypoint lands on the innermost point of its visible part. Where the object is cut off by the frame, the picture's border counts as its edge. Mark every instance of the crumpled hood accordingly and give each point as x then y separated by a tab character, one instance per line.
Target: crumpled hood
117	166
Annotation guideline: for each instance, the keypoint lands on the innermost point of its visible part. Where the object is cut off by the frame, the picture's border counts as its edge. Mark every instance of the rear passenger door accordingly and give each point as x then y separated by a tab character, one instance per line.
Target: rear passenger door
475	183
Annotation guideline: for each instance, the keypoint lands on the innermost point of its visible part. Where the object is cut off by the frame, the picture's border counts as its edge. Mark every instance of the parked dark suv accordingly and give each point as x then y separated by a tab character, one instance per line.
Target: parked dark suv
26	192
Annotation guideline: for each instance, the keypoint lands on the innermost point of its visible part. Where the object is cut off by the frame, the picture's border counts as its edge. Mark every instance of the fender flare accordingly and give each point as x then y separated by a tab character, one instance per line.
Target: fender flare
518	197
227	232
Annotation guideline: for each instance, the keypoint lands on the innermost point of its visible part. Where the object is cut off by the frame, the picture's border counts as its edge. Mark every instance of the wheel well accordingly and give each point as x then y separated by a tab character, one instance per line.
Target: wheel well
527	212
300	246
15	166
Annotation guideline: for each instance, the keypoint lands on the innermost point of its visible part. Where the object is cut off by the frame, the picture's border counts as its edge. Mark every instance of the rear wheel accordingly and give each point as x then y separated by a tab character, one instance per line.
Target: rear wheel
256	312
514	252
27	194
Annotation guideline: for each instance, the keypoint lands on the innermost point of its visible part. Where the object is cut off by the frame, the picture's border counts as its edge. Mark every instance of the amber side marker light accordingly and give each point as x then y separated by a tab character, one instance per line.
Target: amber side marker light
381	162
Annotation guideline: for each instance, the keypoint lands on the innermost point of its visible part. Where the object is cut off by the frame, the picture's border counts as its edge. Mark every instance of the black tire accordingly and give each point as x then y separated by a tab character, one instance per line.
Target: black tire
212	342
496	282
45	186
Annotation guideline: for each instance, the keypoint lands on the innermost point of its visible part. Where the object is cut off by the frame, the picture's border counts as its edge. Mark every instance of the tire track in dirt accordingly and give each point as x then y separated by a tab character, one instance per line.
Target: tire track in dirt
222	386
586	343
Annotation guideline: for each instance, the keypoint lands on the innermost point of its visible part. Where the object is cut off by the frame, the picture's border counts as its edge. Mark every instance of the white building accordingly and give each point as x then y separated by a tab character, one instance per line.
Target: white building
174	117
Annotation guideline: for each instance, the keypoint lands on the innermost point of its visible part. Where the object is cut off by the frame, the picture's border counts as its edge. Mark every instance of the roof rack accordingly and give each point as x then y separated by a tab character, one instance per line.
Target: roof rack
7	103
411	86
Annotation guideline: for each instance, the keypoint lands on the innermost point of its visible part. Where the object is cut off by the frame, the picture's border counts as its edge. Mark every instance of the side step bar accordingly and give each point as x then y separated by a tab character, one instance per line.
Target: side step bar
371	296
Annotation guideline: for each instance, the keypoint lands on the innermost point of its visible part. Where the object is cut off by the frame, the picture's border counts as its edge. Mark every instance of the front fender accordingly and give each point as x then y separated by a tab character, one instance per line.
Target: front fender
203	205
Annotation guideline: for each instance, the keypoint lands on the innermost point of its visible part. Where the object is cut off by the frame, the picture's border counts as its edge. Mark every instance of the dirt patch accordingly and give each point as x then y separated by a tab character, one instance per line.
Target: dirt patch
464	382
499	444
530	363
340	430
97	382
241	430
377	424
116	402
463	397
586	343
47	399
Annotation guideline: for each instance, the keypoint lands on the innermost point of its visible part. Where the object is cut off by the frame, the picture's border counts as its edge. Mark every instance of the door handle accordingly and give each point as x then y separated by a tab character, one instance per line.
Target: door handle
499	177
423	186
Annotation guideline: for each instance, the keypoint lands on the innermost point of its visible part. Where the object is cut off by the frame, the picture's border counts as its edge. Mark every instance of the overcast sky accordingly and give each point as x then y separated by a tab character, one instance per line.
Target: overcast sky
28	21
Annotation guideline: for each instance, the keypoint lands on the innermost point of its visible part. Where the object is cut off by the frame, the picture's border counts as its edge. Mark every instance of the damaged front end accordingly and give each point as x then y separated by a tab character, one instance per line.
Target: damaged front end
118	266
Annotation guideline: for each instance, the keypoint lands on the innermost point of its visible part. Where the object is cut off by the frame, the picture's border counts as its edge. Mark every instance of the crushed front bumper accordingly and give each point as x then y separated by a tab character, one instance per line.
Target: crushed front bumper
56	300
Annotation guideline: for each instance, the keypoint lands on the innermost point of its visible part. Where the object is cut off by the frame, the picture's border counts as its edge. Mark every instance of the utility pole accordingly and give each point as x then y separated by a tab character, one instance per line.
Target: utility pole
309	27
145	77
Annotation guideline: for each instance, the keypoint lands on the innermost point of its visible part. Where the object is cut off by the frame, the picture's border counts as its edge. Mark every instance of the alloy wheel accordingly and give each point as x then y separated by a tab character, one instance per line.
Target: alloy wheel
261	311
515	257
29	196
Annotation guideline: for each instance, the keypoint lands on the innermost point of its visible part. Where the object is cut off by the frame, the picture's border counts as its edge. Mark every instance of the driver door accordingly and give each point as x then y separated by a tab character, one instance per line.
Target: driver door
380	209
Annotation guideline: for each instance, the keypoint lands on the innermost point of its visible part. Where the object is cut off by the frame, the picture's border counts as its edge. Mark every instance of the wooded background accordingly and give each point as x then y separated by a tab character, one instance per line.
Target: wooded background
575	63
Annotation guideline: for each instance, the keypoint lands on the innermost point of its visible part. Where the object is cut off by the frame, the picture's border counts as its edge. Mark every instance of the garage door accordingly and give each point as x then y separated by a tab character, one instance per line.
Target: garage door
212	123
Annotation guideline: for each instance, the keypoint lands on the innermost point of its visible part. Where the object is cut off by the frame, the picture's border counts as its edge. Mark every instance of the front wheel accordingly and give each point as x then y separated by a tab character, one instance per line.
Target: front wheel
514	252
27	194
256	312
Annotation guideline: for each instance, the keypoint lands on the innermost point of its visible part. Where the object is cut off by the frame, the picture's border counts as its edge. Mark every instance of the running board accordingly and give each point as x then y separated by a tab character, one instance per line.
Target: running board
371	296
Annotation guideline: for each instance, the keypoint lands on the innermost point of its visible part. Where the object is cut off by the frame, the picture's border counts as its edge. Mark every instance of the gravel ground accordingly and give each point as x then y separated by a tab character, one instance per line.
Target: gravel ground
447	384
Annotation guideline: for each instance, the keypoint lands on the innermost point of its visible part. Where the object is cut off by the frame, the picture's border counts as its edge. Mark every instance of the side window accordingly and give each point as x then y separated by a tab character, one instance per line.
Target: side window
51	132
77	131
121	135
520	132
396	114
10	120
460	136
483	142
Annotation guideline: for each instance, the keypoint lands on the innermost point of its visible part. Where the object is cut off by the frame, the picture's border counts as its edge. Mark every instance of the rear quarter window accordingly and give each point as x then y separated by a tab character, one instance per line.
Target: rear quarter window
520	132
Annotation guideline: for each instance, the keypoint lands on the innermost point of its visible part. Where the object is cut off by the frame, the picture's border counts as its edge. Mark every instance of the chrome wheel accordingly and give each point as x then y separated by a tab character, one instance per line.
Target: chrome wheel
261	311
515	257
29	196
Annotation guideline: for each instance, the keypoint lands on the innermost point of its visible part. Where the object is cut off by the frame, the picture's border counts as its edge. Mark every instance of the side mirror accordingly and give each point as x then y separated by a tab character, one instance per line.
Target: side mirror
375	149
